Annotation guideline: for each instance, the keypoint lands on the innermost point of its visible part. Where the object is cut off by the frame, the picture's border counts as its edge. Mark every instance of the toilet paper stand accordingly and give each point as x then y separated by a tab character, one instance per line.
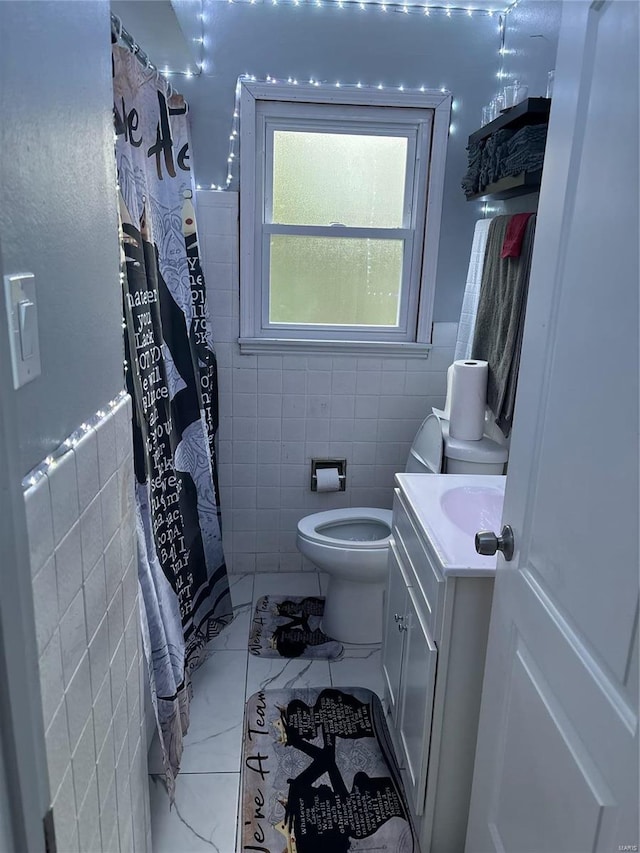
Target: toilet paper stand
340	464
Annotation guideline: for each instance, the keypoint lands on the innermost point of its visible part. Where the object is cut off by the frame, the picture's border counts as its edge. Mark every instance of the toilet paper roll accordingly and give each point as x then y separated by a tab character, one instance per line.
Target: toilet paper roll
328	479
446	412
468	399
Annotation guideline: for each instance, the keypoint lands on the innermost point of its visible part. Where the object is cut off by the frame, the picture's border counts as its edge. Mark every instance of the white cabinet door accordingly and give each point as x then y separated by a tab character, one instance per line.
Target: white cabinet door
556	766
393	635
416	701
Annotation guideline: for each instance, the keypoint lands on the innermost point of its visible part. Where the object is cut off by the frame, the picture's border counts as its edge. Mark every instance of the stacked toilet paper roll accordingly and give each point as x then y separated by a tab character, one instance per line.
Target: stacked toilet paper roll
468	399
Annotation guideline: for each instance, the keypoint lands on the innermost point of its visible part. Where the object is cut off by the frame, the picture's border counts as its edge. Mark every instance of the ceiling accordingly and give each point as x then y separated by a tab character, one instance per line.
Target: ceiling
168	32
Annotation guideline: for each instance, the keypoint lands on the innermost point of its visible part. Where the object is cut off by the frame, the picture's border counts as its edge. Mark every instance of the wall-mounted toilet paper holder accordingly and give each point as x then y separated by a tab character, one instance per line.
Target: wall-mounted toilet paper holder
340	464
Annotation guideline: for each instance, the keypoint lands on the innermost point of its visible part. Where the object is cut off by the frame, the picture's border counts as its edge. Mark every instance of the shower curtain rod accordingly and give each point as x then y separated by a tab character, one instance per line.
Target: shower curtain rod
120	34
125	36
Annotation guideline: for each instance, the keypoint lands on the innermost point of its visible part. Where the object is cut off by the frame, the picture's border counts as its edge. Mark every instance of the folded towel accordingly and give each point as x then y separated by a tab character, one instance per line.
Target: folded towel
523	161
470	180
514	236
524	151
529	135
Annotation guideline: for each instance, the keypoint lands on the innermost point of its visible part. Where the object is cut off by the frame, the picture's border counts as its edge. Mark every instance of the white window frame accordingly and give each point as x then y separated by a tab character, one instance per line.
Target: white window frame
265	108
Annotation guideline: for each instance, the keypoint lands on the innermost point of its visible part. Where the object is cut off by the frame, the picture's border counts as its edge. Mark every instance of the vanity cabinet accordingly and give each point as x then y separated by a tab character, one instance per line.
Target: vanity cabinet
409	668
436	626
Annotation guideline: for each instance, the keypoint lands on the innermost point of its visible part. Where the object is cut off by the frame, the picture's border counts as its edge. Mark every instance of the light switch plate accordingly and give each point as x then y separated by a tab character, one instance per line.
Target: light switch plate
22	316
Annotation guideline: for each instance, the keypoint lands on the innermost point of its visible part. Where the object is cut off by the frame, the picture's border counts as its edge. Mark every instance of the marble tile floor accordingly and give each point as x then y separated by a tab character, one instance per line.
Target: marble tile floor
205	813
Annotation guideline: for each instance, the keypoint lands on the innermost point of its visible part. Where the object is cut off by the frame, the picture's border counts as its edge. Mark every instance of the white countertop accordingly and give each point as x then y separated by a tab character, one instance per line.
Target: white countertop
451	509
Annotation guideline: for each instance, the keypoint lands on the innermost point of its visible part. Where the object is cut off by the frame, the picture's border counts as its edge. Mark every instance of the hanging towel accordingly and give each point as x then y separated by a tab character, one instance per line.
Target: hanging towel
500	320
464	341
474	155
516	227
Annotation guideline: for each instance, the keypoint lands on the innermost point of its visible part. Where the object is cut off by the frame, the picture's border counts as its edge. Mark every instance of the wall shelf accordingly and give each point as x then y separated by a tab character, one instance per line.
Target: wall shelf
527	112
514	185
531	111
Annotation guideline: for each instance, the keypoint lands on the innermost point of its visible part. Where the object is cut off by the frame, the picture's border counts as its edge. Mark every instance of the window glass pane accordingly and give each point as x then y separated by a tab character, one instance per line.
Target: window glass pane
335	281
321	178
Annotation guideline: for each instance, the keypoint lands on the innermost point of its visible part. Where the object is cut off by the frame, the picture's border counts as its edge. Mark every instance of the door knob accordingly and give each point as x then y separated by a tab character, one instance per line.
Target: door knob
487	543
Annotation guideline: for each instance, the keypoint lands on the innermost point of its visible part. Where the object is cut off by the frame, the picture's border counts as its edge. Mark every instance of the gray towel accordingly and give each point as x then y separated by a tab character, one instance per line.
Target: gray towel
500	320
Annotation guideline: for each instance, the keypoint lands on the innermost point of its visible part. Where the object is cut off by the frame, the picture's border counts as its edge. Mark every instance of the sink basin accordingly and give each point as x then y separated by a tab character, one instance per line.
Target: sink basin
451	509
473	508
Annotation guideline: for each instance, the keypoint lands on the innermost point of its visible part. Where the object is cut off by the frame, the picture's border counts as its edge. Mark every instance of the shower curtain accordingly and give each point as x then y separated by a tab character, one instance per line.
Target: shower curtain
171	377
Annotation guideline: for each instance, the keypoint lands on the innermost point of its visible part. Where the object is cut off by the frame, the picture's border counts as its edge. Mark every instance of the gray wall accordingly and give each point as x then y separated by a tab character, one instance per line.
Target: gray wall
58	211
58	220
531	42
332	44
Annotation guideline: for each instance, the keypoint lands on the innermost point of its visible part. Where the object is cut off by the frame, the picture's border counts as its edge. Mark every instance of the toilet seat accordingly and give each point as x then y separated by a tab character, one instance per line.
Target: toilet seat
311	528
338	542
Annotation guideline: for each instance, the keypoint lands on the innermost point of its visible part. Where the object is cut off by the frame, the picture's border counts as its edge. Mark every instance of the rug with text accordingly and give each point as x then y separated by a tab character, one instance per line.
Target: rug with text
289	627
319	775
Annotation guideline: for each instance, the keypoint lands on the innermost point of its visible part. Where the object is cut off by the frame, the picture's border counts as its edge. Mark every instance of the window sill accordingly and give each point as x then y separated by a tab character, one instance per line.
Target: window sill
287	346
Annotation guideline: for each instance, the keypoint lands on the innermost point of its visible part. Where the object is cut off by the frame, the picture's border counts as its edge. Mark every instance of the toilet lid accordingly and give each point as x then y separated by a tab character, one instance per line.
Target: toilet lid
485	450
425	456
310	527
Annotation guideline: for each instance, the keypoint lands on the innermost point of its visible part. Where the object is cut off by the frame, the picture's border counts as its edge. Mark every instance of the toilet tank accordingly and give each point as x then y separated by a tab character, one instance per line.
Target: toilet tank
485	456
459	466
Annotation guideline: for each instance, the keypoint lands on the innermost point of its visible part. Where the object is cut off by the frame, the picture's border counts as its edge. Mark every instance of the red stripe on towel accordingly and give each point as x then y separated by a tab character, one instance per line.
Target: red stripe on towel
514	235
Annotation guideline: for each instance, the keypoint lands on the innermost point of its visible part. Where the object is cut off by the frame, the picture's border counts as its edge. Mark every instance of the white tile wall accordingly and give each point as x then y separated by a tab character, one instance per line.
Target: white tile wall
277	412
80	520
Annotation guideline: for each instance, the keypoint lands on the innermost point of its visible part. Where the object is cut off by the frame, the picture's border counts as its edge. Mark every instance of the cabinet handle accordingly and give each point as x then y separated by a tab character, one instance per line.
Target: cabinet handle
402	626
398	617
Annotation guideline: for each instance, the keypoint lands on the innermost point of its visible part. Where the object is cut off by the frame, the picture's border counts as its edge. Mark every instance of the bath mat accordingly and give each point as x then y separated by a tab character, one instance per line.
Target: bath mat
286	626
319	776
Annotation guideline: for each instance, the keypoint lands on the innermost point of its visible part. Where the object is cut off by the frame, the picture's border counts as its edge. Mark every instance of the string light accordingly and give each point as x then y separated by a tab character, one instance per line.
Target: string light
291	81
489	210
53	459
383	5
402	6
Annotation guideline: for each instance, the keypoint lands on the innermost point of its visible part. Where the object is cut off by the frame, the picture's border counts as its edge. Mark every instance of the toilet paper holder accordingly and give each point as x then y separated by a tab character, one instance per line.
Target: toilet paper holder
340	464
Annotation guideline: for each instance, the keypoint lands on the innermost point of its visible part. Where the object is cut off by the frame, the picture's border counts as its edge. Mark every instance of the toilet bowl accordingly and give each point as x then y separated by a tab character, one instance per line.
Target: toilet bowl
351	545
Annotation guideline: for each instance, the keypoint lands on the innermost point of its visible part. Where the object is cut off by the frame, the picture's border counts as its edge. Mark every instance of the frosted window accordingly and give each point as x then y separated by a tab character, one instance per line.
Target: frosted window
322	178
335	281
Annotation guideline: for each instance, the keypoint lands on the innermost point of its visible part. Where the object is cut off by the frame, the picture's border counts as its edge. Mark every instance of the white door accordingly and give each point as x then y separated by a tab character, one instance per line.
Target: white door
557	758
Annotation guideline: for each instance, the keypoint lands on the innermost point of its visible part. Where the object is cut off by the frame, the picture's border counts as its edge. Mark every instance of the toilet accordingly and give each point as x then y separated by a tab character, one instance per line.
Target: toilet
351	544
